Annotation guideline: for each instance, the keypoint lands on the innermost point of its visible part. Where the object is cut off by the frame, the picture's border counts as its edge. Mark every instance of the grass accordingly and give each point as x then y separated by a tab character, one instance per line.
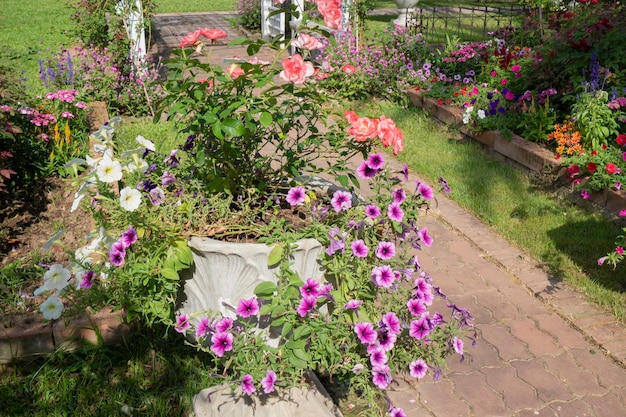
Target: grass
566	238
184	6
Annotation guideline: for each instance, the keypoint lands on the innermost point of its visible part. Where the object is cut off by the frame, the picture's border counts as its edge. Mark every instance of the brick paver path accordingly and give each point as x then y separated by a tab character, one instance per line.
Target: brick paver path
541	351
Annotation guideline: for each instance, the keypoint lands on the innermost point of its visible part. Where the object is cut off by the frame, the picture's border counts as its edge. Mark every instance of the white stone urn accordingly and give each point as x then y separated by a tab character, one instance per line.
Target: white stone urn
404	8
225	272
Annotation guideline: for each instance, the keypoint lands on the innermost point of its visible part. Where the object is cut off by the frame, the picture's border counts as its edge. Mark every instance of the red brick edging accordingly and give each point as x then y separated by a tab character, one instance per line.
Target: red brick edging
524	153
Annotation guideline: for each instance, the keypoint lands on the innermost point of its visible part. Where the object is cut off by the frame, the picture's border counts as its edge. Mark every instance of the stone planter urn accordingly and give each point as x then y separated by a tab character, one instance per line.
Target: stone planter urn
225	272
404	8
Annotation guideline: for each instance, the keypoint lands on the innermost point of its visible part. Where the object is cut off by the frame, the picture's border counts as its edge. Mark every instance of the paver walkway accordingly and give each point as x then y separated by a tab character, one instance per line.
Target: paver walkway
541	351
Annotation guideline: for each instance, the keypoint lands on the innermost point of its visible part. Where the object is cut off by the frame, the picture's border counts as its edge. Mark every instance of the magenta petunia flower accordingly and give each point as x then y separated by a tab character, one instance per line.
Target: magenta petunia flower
203	327
426	297
128	237
391	322
247	384
386	250
365	332
86	280
405	172
378	357
381	376
585	194
457	344
269	382
353	304
425	237
425	191
394	212
376	161
222	342
386	339
416	307
182	323
247	308
307	304
399	195
622	213
418	369
359	249
397	412
310	288
383	276
337	241
365	171
325	292
224	324
296	196
372	211
342	200
117	257
420	328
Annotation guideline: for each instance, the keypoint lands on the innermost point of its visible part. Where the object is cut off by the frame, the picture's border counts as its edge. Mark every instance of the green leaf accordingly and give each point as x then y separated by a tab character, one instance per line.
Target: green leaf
295	344
233	127
169	273
286	329
301	331
297	362
265	289
276	254
266	119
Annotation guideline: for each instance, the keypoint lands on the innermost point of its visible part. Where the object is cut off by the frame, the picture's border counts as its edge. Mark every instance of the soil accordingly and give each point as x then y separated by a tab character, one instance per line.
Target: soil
28	218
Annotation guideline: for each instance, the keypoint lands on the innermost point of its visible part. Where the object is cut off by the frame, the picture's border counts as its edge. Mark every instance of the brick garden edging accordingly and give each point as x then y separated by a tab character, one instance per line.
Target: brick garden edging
517	150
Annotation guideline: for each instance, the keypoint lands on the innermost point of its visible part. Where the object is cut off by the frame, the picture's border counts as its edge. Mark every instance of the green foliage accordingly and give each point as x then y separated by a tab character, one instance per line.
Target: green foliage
594	119
249	14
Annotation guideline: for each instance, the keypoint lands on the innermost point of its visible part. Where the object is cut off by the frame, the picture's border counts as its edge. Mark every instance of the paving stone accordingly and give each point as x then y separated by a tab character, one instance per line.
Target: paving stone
562	331
526	304
509	347
478	356
549	388
440	399
578	380
606	406
577	408
484	400
538	342
544	412
609	374
517	394
501	309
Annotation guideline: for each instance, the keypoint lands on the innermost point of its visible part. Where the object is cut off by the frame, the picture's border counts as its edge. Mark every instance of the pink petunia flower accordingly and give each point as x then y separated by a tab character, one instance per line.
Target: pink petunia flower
247	308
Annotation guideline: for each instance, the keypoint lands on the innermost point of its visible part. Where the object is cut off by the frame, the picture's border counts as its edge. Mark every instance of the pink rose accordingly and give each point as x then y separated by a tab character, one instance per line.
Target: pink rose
390	135
350	116
213	34
349	69
296	70
363	129
307	42
190	39
235	71
331	13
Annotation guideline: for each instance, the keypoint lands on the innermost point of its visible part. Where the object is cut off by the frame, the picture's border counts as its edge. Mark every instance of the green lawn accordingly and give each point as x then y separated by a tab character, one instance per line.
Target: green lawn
184	6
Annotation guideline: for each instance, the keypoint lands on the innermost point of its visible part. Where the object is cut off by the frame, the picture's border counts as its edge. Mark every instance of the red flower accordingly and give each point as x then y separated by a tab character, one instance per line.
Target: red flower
621	139
440	101
611	168
594	152
573	170
592	167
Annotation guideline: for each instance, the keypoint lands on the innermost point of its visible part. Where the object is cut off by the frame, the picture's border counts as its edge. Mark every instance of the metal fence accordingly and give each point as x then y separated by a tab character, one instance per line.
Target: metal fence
467	23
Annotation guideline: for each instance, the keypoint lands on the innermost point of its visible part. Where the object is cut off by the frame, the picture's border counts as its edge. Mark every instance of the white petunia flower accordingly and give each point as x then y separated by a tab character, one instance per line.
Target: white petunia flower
481	114
109	170
139	165
130	199
467	116
56	278
51	308
146	143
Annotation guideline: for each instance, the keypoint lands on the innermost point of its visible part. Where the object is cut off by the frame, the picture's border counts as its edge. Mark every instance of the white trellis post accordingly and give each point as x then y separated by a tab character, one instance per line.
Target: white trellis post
277	24
132	16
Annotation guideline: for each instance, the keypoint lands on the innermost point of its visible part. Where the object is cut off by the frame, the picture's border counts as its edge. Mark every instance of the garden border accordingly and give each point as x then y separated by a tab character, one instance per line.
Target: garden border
520	152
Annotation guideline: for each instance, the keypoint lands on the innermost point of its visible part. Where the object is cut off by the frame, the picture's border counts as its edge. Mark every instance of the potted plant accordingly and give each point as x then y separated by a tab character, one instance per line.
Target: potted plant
243	172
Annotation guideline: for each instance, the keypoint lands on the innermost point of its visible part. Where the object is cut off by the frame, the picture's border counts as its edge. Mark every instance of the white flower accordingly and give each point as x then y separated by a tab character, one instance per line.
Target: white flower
146	143
481	114
109	170
130	199
56	278
467	116
139	165
76	202
51	308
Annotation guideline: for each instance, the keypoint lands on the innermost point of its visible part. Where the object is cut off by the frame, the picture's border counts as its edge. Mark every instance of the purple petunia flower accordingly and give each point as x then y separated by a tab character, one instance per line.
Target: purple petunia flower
307	304
394	212
310	288
353	304
247	384
182	323
365	171
222	342
157	196
224	324
378	357
269	382
86	280
128	237
397	412
386	250
416	307
372	211
296	196
457	344
342	200
405	172
425	237
425	191
247	308
418	369
337	242
172	160
386	339
420	328
383	276
376	161
444	184
399	195
381	376
325	292
391	322
167	179
365	332
359	249
117	254
203	327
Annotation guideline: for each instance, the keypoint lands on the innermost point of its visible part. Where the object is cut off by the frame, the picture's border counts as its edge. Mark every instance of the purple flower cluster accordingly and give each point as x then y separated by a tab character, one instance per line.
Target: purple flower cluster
117	251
